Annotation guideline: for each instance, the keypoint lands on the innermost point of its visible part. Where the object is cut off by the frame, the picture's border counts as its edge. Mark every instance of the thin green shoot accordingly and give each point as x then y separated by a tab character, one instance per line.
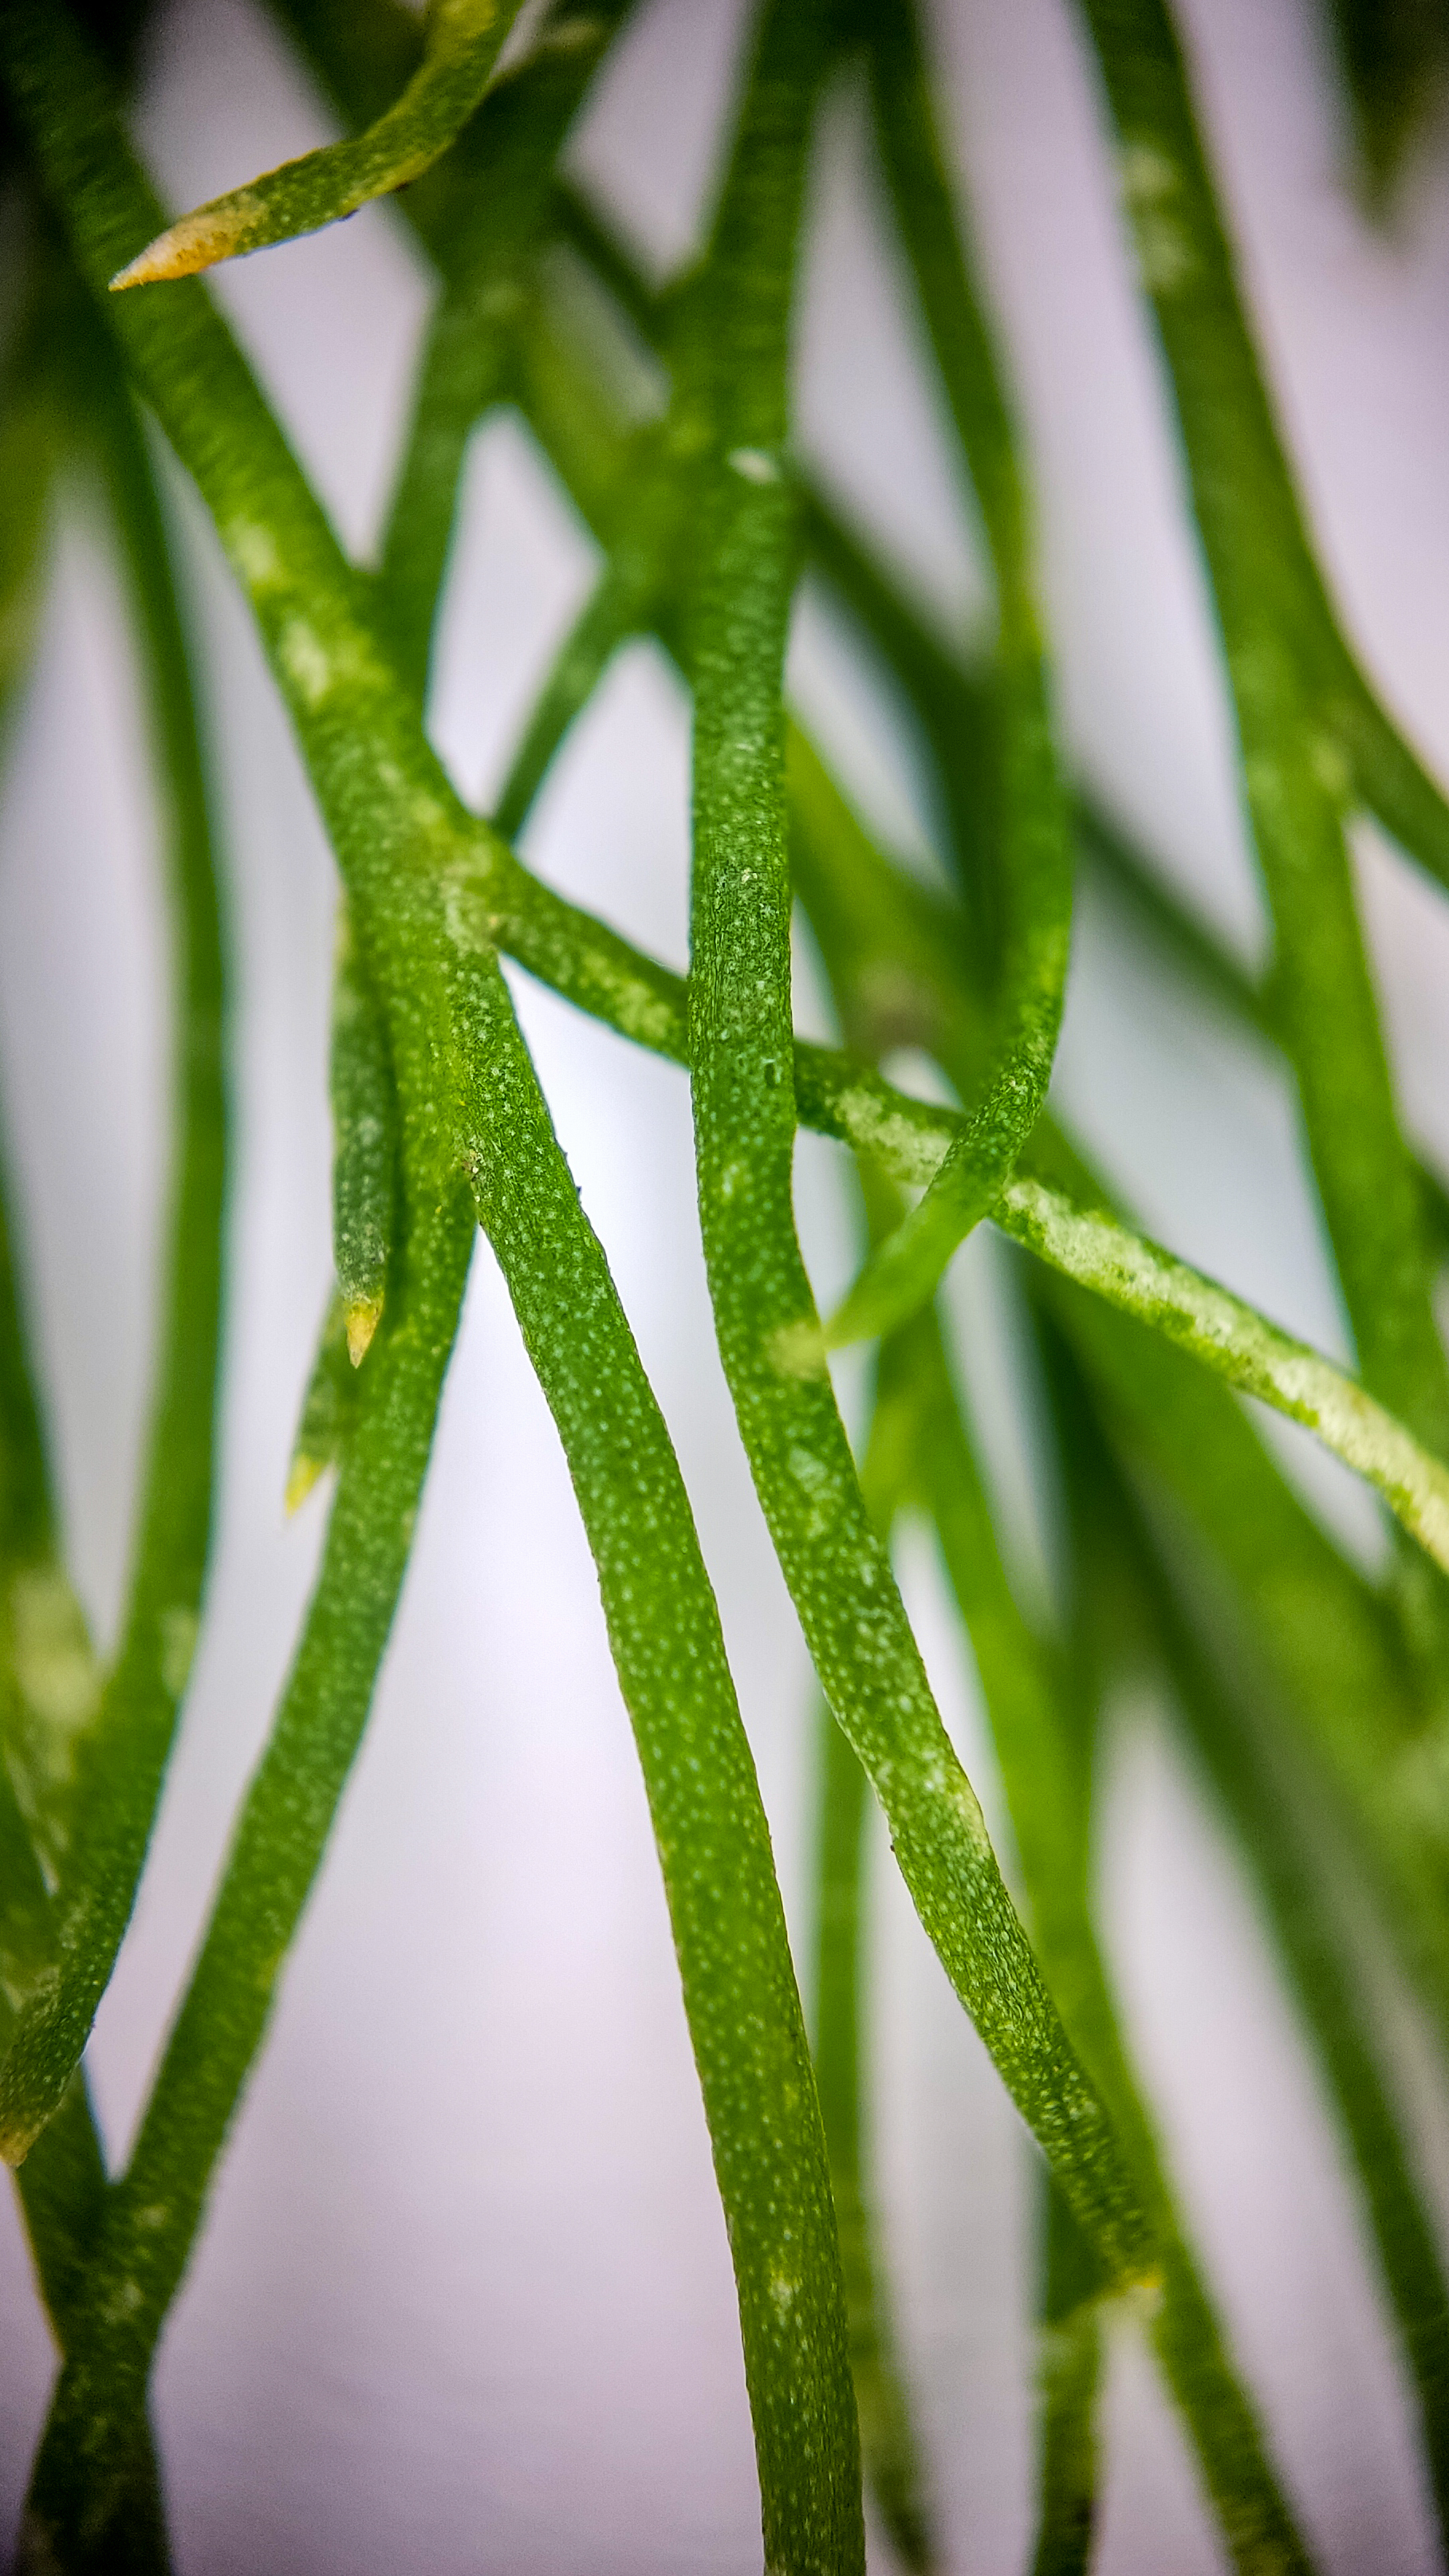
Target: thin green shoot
461	43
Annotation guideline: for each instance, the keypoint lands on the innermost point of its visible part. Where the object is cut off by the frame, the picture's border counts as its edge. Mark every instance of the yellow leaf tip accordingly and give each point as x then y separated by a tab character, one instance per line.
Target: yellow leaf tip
362	1321
301	1478
198	241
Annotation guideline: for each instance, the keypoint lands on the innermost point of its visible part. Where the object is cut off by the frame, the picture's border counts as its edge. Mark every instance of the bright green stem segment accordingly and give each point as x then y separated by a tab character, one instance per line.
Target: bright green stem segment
420	875
120	1755
904	1273
462	39
838	1572
1284	661
364	1146
1034	859
1238	1344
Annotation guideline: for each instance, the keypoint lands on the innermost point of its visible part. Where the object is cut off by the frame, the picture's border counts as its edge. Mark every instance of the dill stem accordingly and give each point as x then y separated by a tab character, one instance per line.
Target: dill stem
1252	1775
120	1758
740	1054
417	871
1278	633
1033	861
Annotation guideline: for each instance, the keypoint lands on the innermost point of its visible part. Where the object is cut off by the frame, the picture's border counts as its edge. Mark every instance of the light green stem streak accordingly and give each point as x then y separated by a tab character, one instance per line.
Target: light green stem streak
101	1819
1238	1344
1273	615
418	872
1047	1791
461	43
740	1044
1035	859
1210	968
887	2440
1333	1641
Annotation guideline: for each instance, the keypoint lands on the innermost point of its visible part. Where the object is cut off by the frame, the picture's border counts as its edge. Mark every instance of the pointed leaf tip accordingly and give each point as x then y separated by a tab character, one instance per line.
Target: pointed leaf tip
301	1477
362	1322
196	242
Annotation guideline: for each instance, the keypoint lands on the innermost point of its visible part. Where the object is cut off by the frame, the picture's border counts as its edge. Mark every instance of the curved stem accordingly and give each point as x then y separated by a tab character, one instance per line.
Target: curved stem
119	1758
461	43
417	872
1033	872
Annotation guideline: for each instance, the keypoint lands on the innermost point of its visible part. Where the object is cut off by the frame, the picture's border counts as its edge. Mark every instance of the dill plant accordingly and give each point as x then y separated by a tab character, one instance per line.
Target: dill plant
1309	1691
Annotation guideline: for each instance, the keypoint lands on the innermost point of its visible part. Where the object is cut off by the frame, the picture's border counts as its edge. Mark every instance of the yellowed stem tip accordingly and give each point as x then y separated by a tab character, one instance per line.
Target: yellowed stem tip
301	1478
198	241
362	1321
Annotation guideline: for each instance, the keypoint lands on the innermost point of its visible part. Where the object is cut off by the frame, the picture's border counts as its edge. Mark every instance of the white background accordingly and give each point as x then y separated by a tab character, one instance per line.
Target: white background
464	2300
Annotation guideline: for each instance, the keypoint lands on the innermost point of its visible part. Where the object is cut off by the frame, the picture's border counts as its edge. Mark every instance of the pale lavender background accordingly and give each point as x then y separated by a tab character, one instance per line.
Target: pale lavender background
464	2301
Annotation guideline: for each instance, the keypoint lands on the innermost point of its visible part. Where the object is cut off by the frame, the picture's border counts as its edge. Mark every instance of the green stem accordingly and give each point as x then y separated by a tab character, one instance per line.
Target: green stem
152	2215
1034	861
740	1048
888	2443
419	873
461	43
1046	1776
1274	618
120	1756
1235	1747
619	605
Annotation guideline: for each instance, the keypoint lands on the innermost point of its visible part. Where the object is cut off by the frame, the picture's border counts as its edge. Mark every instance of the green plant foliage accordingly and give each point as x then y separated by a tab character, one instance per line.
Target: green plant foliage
1312	1696
461	42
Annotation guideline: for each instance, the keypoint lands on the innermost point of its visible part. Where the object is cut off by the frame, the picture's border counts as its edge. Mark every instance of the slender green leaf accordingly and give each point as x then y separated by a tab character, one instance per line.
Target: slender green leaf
888	2444
418	873
1281	647
1046	1775
1253	1776
744	1108
461	43
119	1753
1034	864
